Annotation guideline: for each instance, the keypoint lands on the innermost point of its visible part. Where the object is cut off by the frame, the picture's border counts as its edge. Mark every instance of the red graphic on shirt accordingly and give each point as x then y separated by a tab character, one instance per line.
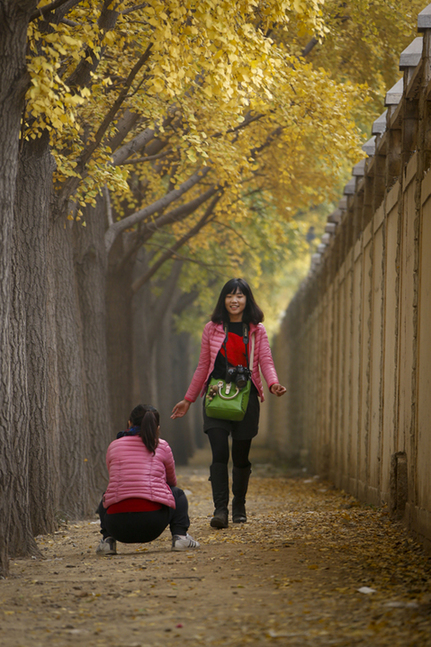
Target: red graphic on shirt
235	350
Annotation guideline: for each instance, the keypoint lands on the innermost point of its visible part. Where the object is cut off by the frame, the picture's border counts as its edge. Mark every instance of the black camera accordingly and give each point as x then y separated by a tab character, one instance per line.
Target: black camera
238	374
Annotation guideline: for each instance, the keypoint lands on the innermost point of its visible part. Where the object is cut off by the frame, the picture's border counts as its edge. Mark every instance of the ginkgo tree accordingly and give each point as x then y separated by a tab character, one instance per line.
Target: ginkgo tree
173	129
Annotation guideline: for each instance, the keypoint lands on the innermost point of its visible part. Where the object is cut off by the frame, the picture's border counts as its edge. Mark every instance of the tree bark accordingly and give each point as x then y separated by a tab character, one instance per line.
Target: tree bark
25	430
76	490
91	267
119	338
14	19
34	194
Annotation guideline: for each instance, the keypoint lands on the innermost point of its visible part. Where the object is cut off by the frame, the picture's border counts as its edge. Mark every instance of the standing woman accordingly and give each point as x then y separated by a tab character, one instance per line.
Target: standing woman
235	307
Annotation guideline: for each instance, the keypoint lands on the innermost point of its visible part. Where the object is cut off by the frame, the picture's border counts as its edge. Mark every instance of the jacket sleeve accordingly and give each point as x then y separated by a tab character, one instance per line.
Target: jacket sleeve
265	359
202	369
171	477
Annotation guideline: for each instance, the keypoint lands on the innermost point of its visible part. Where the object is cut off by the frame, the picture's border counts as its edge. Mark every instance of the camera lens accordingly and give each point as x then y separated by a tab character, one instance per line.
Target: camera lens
241	381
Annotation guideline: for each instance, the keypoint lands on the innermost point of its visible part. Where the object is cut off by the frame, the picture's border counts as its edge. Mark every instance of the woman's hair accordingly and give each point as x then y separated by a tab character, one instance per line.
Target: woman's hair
252	313
137	415
149	427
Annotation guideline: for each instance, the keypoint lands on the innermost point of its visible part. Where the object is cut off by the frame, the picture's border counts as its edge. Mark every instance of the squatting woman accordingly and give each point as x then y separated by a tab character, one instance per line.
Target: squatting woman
142	498
235	307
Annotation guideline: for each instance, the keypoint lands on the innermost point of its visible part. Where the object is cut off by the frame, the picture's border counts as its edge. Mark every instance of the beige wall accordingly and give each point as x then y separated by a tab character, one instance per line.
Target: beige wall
355	345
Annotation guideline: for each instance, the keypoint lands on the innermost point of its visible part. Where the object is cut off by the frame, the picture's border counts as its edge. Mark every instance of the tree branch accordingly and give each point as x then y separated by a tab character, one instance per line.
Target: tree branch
138	283
73	183
309	46
165	300
138	142
124	125
158	205
81	75
270	138
42	11
179	213
134	8
175	215
149	158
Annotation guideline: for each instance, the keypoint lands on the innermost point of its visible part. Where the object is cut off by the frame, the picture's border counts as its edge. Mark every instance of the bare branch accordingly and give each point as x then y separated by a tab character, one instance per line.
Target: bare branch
158	205
135	144
310	45
189	259
165	300
175	215
248	119
70	23
179	213
124	125
226	226
41	12
149	158
108	205
135	8
136	285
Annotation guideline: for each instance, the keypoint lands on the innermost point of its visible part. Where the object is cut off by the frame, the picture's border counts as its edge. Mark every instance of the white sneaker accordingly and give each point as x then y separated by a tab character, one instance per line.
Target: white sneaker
107	546
184	542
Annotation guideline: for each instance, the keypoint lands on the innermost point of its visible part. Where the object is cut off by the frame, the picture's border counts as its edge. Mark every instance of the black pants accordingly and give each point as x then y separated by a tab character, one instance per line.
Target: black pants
219	440
142	527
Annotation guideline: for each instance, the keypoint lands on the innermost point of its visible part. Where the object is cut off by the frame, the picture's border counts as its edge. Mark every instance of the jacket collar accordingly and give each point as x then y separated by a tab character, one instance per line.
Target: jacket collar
220	328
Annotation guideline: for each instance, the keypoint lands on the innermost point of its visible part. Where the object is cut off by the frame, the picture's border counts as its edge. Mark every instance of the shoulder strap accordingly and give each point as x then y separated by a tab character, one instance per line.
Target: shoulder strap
250	366
246	339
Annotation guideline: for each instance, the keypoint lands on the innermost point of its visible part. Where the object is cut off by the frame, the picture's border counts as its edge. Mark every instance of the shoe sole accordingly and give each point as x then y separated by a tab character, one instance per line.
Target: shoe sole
218	523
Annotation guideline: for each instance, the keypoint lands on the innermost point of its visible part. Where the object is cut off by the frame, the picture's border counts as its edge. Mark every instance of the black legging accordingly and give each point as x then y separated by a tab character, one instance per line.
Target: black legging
220	448
142	527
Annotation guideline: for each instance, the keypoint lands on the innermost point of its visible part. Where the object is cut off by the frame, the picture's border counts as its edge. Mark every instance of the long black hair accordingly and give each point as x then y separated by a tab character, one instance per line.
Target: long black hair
252	313
149	427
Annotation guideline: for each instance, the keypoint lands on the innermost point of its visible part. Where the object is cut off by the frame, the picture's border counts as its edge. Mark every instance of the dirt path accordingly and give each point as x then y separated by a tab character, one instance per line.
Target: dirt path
291	576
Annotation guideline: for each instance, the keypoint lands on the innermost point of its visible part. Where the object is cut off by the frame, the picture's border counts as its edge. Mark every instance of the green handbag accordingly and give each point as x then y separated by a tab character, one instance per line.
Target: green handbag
226	400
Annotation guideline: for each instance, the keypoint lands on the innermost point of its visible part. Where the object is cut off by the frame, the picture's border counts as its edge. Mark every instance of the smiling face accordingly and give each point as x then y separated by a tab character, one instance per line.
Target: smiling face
235	303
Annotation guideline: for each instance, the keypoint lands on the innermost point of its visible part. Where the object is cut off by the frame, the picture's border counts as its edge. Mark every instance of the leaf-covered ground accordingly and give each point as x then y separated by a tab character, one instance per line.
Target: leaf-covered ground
291	576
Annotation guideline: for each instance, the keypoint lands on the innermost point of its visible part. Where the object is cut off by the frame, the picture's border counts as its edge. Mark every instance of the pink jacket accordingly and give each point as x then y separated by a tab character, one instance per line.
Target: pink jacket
136	472
212	340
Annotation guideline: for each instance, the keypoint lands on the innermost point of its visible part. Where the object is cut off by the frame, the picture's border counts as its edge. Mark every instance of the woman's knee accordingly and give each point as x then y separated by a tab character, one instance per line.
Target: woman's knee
219	441
240	453
177	492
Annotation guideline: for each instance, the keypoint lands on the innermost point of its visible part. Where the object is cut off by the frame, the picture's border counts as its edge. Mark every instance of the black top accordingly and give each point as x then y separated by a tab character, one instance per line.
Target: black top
234	328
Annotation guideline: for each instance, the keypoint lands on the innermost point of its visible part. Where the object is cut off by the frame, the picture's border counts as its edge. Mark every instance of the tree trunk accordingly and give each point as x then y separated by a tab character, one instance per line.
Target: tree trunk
91	267
24	432
69	400
34	192
14	17
163	363
145	369
119	339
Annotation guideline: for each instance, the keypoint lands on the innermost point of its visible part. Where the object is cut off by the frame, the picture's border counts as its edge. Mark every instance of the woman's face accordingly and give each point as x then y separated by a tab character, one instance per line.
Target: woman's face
235	303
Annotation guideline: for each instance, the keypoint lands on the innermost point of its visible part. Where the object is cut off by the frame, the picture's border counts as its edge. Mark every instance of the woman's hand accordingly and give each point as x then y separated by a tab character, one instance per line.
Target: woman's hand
278	390
180	409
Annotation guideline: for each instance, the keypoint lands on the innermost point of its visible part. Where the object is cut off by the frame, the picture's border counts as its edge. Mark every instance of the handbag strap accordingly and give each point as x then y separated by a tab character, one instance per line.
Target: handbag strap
250	364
